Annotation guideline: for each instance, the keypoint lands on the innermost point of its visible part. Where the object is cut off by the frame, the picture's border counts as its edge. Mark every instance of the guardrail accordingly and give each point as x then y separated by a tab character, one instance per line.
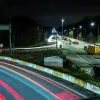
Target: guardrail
64	76
48	47
27	50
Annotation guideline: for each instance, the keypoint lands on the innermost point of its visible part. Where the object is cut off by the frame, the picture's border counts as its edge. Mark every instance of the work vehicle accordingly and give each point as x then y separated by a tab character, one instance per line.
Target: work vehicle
92	49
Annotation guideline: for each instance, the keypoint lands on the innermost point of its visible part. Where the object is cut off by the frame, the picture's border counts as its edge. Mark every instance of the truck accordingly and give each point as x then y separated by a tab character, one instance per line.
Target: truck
93	49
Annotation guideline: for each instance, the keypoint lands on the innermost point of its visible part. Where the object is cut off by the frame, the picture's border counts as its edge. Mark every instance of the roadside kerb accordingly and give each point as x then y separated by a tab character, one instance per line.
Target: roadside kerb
64	76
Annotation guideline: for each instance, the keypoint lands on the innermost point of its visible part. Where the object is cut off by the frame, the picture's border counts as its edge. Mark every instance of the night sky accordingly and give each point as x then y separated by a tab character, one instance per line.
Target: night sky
50	12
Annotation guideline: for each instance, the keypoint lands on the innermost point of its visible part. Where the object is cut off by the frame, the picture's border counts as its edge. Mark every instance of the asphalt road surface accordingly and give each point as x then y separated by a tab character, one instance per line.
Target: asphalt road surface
78	56
17	83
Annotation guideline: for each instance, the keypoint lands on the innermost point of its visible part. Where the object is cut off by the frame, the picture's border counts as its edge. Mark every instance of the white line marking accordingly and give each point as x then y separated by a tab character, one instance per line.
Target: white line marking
77	54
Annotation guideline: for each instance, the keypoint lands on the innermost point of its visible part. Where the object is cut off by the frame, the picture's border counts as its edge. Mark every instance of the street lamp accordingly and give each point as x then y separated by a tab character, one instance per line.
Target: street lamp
62	26
98	31
80	27
92	23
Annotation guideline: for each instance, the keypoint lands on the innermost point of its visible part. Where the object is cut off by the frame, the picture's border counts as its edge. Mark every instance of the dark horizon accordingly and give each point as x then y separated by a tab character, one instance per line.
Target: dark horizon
50	13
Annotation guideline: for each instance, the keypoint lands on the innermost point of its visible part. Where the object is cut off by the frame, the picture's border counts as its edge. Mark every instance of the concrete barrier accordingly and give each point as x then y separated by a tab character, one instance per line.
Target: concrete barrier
64	76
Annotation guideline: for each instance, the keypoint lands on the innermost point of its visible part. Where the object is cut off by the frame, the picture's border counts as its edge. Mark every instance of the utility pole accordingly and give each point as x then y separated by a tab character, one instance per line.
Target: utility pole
10	39
85	33
62	26
77	33
98	31
56	40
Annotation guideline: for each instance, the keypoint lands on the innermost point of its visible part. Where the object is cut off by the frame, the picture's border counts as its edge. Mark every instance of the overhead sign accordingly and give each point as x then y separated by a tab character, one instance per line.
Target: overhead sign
4	27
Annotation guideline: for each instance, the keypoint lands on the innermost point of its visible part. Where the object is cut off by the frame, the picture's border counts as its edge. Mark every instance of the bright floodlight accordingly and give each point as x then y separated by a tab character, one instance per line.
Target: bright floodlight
80	27
92	24
53	30
62	20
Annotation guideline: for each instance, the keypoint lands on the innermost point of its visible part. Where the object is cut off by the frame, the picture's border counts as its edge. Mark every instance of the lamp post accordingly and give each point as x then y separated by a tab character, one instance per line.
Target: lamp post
54	31
80	34
92	25
62	26
80	27
85	33
10	39
98	31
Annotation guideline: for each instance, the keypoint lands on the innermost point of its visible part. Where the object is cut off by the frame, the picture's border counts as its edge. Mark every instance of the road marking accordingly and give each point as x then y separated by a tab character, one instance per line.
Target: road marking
10	90
66	96
77	54
59	85
34	82
84	43
78	49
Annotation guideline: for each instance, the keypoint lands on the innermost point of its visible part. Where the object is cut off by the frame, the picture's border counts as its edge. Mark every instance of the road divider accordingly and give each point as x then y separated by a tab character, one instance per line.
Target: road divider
14	60
52	47
40	68
59	74
80	82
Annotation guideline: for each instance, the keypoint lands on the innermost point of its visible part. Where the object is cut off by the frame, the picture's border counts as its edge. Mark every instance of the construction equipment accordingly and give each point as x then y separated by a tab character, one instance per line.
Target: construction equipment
92	49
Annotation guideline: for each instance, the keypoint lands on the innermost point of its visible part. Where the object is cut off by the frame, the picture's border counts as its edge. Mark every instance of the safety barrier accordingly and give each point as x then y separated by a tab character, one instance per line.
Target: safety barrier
64	76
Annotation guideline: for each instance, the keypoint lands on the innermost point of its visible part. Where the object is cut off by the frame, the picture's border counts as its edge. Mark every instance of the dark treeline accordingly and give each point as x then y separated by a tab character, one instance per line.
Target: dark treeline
25	32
